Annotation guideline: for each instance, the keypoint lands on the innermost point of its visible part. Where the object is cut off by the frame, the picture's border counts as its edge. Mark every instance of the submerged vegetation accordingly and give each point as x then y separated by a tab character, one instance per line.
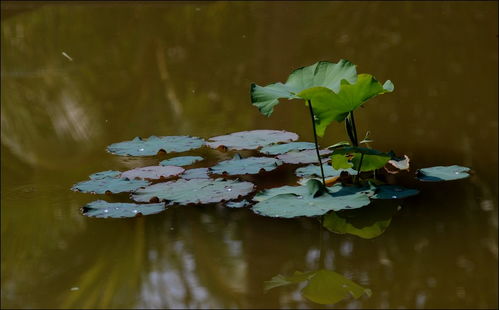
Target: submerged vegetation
337	184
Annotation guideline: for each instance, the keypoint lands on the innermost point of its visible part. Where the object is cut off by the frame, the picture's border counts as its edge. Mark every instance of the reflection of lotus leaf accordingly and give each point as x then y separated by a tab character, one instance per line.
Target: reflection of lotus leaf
197	173
443	173
152	145
108	184
337	224
249	165
237	204
393	192
152	172
315	171
194	191
277	149
104	209
303	157
181	161
250	140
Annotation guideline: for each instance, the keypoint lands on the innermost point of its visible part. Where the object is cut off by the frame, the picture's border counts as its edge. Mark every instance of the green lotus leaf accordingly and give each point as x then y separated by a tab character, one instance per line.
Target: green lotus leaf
181	161
330	105
251	140
277	149
104	209
152	172
194	191
340	162
349	157
198	173
393	192
249	165
442	173
312	171
152	145
108	184
237	204
303	157
105	174
323	73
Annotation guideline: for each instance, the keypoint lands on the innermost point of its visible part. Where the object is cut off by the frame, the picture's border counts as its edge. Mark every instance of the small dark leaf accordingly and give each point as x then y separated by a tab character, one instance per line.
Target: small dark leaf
443	173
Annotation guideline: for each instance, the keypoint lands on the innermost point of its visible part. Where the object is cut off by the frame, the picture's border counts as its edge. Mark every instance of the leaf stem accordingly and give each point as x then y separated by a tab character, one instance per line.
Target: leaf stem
356	180
352	119
315	140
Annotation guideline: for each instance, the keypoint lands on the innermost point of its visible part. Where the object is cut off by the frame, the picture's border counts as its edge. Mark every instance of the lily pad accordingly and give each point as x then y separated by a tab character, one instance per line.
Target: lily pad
251	140
105	174
303	157
152	145
197	173
152	172
181	161
237	204
443	173
195	191
277	149
249	165
393	192
104	209
315	171
108	184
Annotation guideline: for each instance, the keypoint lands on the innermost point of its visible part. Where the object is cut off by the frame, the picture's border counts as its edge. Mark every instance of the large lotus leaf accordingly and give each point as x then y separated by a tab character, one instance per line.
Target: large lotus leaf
181	161
315	171
323	73
198	173
152	145
443	173
330	105
350	157
105	174
152	172
251	140
104	209
249	165
109	184
298	201
194	191
303	157
393	192
278	149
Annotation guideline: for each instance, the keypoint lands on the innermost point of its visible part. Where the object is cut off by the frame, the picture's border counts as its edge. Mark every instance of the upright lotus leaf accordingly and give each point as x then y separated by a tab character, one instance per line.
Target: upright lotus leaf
237	204
152	145
152	172
195	191
277	149
198	173
393	192
442	173
303	157
108	184
251	140
105	174
323	287
249	165
181	161
350	157
330	105
323	73
315	171
104	209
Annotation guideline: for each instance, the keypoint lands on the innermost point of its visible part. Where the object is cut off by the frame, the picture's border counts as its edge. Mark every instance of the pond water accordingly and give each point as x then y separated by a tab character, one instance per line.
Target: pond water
78	77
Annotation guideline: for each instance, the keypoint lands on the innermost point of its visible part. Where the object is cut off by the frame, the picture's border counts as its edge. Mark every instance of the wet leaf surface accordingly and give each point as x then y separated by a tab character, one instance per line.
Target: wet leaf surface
194	191
197	173
283	148
181	161
104	209
443	173
249	165
152	145
393	192
304	157
251	140
315	171
103	184
152	172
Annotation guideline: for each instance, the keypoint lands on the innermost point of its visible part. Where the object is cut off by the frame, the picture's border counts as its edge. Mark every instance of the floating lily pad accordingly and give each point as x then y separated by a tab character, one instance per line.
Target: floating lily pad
393	192
443	173
152	145
104	209
198	173
152	172
108	184
181	161
277	149
304	157
105	174
251	140
315	171
294	201
194	191
249	165
237	204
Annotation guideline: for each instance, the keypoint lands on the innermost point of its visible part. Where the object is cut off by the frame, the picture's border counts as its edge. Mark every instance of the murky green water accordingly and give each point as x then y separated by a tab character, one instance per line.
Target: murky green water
185	68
